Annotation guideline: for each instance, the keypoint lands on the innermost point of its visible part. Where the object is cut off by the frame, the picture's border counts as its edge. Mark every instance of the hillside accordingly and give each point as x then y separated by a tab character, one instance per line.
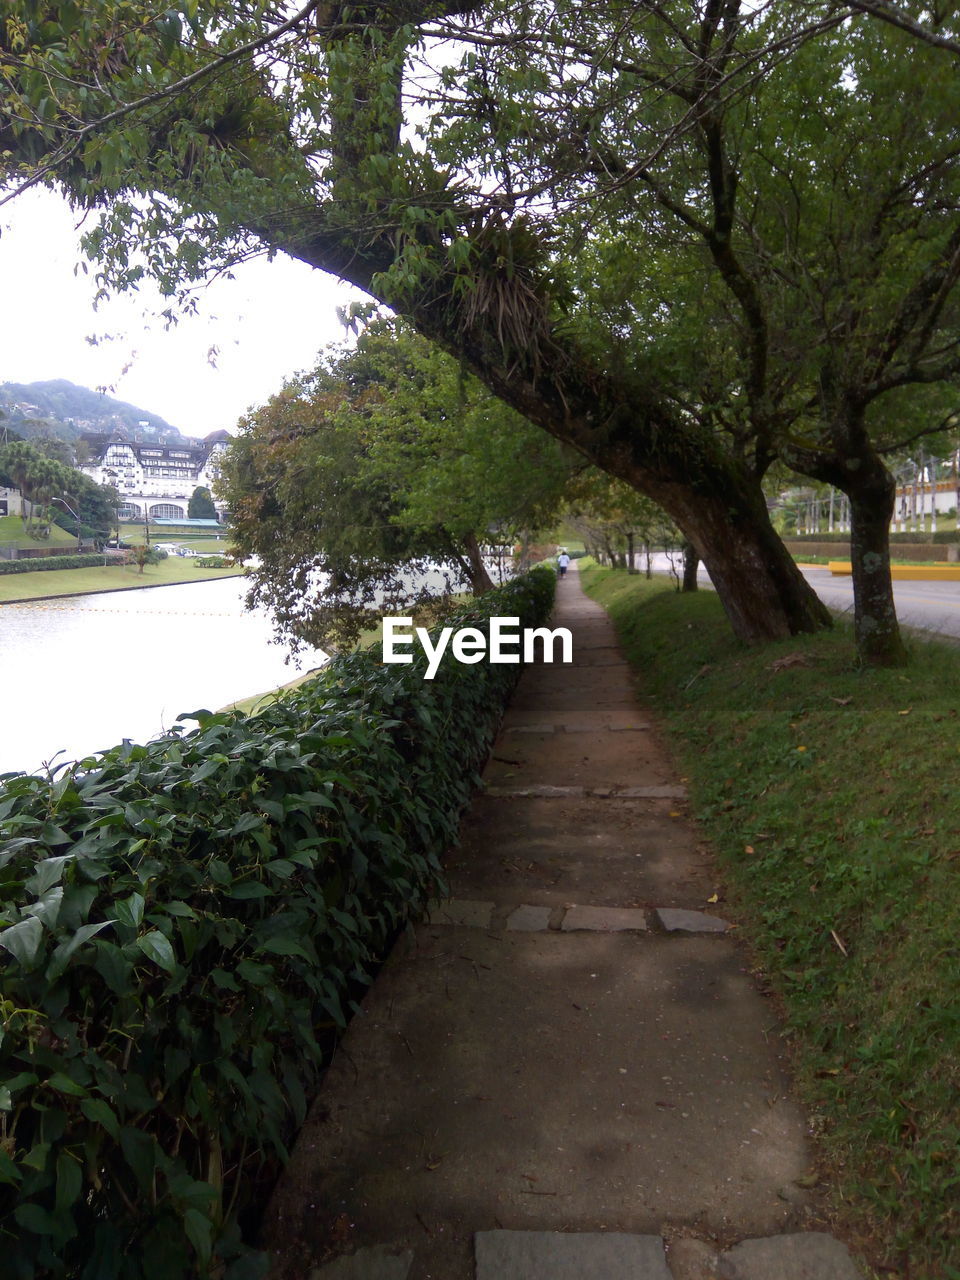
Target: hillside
69	410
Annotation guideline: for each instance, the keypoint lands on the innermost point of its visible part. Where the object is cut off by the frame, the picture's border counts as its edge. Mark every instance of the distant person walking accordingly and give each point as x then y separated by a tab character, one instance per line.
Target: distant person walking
563	561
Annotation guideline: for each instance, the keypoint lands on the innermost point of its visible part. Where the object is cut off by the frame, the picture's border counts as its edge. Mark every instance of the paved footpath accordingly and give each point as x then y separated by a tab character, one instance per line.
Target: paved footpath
566	1073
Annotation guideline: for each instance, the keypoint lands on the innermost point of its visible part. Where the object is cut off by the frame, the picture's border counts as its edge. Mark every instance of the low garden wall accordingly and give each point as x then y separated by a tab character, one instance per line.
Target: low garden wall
838	548
186	924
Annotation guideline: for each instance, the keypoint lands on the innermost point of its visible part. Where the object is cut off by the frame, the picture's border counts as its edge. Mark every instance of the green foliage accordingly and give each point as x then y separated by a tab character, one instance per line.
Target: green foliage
828	791
187	924
355	482
211	562
39	478
200	506
35	564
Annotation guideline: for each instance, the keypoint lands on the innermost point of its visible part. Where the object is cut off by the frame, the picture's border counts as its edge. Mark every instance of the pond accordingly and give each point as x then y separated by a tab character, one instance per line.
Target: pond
81	674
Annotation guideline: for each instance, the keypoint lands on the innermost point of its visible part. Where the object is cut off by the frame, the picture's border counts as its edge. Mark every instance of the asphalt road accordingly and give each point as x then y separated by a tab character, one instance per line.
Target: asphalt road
926	606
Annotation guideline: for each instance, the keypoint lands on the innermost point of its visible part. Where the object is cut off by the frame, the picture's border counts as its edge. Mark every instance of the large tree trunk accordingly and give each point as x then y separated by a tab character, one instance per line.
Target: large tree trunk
764	594
872	500
691	563
858	471
480	580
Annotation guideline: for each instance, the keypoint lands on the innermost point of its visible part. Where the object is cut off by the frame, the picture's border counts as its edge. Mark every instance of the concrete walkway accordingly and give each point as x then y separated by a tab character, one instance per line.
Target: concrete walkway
567	1072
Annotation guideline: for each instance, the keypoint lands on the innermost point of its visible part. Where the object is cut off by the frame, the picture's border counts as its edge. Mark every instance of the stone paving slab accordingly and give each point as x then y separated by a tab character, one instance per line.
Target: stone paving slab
461	911
809	1255
546	791
629	853
541	791
649	793
545	1081
598	727
604	919
378	1262
527	919
554	1255
677	920
573	719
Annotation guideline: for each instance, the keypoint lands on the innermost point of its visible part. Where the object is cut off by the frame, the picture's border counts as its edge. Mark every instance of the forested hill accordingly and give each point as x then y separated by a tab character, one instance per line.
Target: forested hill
68	410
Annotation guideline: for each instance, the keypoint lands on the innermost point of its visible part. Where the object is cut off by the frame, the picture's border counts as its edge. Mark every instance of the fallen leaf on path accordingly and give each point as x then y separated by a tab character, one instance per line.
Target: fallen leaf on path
714	897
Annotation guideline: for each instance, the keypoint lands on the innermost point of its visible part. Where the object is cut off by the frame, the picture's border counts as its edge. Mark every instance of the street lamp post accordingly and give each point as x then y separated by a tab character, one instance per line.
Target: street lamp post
75	516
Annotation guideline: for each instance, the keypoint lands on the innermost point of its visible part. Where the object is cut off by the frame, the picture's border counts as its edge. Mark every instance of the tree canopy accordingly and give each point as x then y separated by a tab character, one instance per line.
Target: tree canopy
201	506
683	238
376	480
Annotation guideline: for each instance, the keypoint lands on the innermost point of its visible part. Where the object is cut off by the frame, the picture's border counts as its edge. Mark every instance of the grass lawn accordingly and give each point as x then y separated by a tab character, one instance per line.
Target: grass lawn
830	795
63	582
12	530
205	544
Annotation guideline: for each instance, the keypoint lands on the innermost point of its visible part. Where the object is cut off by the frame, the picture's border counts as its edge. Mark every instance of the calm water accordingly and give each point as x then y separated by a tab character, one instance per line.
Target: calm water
80	675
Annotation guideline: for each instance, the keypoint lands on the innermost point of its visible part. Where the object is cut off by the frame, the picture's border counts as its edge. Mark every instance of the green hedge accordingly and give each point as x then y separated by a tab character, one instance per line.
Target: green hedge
36	564
185	922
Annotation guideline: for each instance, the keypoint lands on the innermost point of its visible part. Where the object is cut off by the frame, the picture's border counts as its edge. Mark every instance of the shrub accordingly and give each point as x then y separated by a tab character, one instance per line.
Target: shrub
185	922
212	562
37	564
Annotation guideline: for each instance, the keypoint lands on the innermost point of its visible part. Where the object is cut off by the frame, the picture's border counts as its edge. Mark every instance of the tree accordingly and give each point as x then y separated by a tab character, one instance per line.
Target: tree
40	480
200	506
462	232
614	521
353	484
95	504
800	269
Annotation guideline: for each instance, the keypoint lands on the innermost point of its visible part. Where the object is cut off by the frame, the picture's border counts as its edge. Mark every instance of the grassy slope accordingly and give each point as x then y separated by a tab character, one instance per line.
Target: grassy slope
11	530
57	582
830	795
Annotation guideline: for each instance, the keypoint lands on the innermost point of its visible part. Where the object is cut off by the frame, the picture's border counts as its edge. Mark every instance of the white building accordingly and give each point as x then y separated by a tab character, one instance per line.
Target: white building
10	503
156	479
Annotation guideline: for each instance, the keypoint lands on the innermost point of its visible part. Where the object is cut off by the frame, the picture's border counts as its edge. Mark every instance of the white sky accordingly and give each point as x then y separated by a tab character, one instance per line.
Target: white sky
271	321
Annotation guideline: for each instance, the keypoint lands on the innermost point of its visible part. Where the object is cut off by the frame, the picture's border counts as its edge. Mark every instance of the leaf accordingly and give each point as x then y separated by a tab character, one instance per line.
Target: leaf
284	947
48	873
23	940
250	889
99	1112
199	1230
32	1217
140	1152
48	907
156	946
69	1182
36	1157
64	1084
247	822
61	956
129	911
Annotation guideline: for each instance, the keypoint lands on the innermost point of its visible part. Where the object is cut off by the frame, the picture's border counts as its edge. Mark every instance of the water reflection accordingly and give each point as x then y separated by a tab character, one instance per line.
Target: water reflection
81	674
